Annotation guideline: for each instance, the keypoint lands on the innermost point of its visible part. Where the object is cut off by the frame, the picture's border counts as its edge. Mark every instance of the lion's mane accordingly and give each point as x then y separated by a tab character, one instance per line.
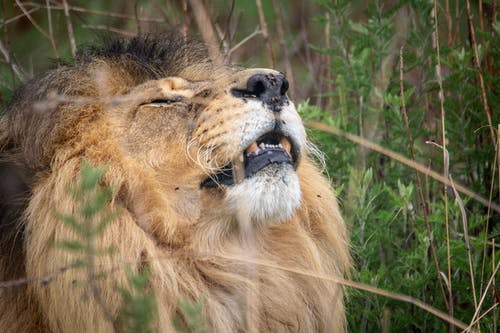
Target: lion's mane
62	117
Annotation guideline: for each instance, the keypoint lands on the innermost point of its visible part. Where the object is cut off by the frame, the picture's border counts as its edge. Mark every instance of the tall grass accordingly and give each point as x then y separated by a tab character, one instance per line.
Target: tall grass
406	97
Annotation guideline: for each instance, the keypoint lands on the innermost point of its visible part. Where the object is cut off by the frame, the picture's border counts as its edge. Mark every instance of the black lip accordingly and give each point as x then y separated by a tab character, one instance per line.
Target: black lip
255	162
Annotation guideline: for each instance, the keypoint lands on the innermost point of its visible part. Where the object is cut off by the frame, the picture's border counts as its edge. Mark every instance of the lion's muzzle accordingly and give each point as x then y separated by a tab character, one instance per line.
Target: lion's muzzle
270	88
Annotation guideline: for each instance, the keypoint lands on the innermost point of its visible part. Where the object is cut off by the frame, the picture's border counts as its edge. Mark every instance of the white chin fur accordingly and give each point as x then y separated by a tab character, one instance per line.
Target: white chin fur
272	195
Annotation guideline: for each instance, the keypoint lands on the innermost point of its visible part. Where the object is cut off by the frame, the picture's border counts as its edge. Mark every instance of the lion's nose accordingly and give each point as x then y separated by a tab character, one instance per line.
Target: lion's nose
268	87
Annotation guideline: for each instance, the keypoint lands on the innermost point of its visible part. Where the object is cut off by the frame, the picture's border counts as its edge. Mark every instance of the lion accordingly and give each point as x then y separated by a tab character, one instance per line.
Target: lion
218	194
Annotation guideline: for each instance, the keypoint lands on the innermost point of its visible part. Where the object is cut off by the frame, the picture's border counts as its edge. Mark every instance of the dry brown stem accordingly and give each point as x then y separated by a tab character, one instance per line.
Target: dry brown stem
484	98
69	26
30	18
419	183
51	30
445	157
37	6
9	61
265	33
207	30
398	157
281	38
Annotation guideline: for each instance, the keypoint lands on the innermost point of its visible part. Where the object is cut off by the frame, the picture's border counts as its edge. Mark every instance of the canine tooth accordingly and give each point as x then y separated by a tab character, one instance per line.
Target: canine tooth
262	145
286	144
252	148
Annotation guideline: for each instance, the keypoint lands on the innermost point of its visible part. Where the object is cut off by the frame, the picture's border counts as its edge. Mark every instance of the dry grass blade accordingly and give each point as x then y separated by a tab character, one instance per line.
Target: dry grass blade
265	33
51	30
467	241
398	157
360	286
445	154
483	297
30	18
419	183
206	29
15	68
69	26
484	98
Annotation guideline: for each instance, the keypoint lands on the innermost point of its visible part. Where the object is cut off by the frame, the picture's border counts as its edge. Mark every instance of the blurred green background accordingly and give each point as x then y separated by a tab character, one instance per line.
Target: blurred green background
395	73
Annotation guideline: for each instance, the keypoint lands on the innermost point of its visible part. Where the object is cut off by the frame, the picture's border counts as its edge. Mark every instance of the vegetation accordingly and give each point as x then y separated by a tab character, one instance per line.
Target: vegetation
386	88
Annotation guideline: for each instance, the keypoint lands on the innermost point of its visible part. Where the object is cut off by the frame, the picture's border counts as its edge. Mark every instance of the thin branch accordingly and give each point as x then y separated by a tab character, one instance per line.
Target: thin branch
490	283
16	69
484	98
108	28
356	285
17	17
185	19
69	26
256	32
51	30
281	38
496	162
465	227
265	33
27	14
419	183
401	159
206	29
466	238
445	160
259	262
37	6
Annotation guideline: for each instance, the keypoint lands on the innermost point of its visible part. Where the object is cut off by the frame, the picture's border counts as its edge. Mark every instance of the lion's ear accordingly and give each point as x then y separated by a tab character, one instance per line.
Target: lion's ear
173	83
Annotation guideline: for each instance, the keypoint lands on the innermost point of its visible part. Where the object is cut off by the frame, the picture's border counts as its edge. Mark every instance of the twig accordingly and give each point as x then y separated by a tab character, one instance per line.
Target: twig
327	61
466	229
356	285
492	308
37	6
281	39
136	15
16	69
398	157
445	167
51	30
466	238
265	33
490	283
448	22
108	28
69	26
206	29
37	27
484	98
185	19
226	36
256	32
269	264
488	212
419	183
17	17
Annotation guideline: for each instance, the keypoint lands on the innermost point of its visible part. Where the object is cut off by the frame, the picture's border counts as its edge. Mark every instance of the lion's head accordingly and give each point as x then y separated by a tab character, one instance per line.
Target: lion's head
198	157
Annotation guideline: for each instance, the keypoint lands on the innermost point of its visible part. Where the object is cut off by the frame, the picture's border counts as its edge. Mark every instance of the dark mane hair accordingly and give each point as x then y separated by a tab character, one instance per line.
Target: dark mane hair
166	53
151	55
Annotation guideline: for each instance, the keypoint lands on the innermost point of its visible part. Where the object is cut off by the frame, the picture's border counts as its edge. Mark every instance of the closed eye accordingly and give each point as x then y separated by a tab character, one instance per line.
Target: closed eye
164	101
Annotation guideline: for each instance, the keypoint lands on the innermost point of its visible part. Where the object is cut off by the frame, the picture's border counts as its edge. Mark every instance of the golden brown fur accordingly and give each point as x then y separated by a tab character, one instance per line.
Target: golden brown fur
105	109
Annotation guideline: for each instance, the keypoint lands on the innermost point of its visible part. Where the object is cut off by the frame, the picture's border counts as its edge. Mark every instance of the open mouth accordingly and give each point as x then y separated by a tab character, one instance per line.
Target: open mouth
271	148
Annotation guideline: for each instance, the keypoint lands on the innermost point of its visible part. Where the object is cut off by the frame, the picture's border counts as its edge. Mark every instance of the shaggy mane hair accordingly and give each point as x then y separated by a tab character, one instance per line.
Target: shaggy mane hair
102	108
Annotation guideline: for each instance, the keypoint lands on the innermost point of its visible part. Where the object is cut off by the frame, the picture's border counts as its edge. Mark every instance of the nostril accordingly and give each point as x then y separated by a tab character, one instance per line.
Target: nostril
284	86
269	88
256	85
